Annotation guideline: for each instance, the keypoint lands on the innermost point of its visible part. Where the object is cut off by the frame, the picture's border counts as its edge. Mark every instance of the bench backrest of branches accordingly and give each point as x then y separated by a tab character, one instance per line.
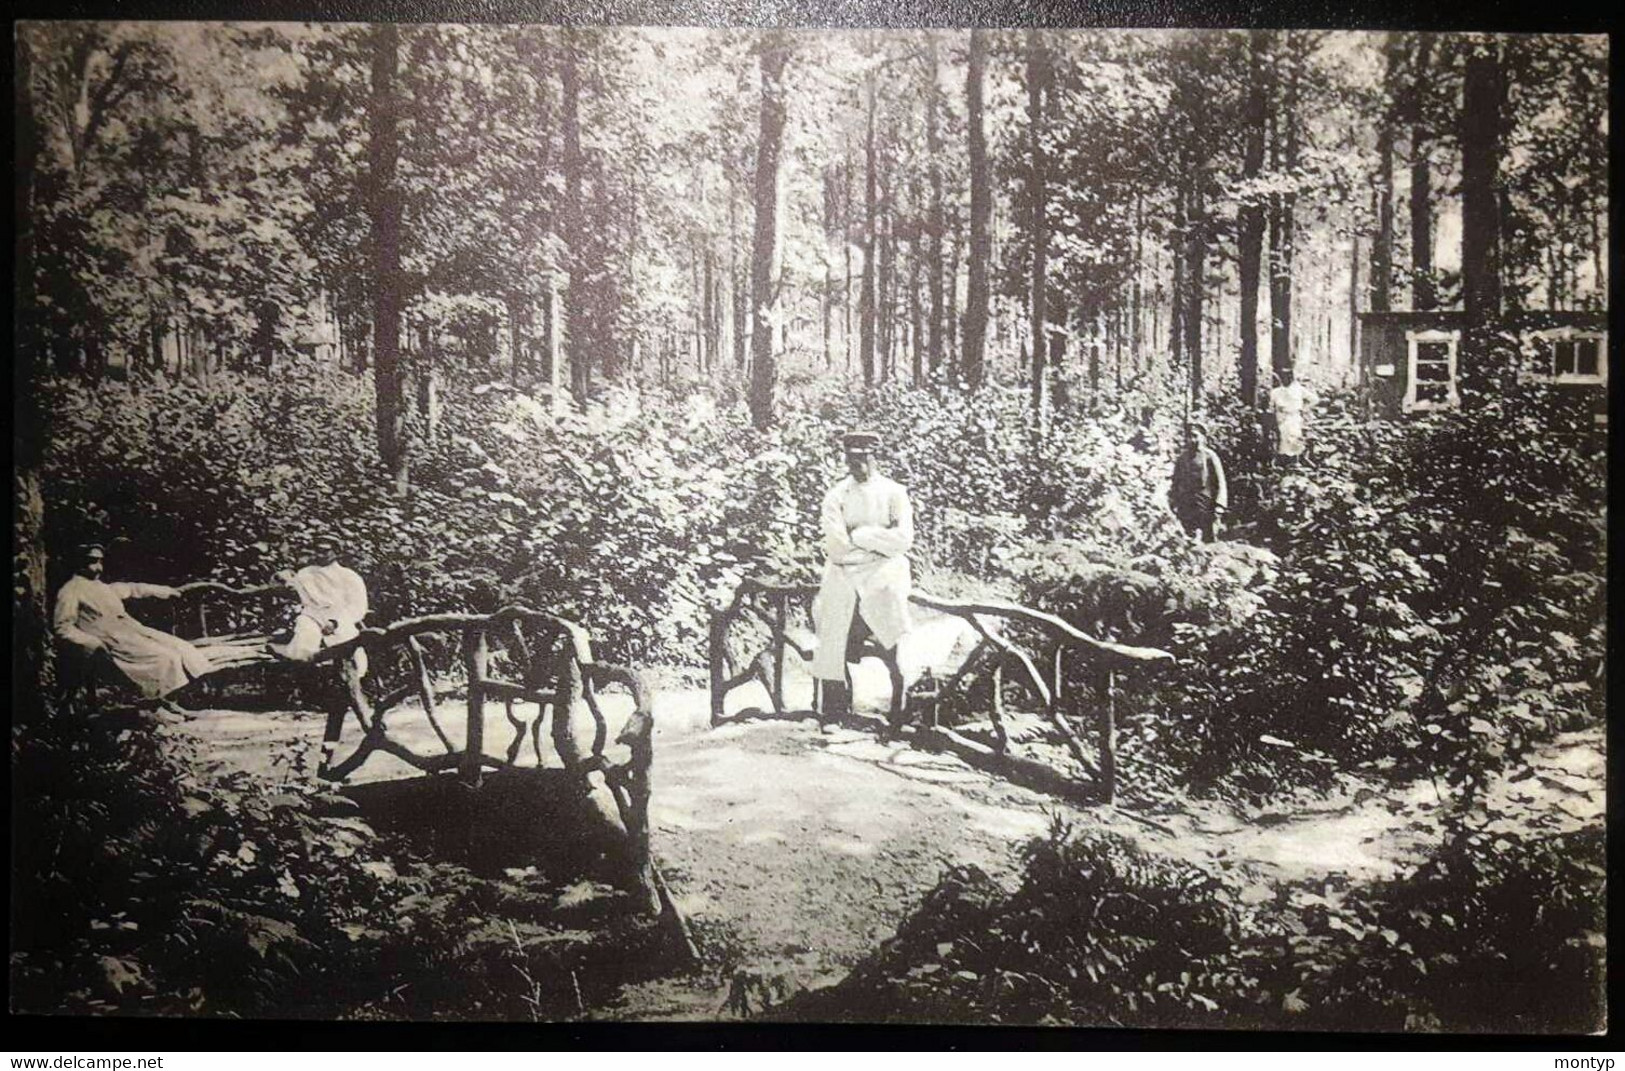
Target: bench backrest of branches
208	609
553	661
1041	668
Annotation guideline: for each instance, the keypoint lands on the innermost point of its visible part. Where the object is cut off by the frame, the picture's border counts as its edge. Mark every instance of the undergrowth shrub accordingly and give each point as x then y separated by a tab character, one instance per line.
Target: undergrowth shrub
1419	591
144	887
1099	933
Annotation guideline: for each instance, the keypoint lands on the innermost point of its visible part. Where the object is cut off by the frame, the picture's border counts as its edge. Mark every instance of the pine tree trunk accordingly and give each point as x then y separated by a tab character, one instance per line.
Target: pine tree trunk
764	247
1282	231
1251	222
1480	215
1037	76
1176	298
915	334
384	211
1136	313
933	143
846	256
1195	285
1382	244
1424	293
574	225
973	345
951	310
866	299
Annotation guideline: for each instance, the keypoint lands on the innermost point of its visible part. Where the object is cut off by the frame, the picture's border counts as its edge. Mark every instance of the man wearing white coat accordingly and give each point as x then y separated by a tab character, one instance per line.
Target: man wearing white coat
868	530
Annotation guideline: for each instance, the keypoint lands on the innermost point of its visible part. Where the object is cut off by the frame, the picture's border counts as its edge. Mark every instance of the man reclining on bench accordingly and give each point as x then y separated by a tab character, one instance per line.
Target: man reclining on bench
90	615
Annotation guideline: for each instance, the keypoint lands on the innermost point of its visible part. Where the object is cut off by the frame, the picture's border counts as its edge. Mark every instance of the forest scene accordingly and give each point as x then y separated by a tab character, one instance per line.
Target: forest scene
1243	395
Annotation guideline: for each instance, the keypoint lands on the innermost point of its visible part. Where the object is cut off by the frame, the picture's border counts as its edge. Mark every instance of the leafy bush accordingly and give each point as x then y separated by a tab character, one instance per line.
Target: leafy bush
145	887
1100	933
1419	591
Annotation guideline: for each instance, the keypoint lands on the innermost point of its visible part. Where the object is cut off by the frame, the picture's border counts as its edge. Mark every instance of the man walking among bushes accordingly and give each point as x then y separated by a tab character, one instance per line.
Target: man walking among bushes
1198	493
868	530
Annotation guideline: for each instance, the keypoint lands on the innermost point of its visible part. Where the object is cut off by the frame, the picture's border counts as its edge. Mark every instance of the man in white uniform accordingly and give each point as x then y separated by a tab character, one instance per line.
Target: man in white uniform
1288	403
868	530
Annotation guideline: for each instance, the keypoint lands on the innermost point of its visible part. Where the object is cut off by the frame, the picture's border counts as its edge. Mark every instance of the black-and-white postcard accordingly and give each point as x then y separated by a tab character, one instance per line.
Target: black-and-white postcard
981	524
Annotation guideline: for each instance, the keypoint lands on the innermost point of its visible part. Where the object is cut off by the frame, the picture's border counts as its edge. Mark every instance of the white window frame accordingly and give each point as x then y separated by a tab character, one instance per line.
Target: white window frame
1413	340
1574	334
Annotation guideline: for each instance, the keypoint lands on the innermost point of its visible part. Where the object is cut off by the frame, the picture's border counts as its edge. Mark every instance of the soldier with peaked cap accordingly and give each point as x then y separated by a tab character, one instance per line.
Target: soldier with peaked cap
868	530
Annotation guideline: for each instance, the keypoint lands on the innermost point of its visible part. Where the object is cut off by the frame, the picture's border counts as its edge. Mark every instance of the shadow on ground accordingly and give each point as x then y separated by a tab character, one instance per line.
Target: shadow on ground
512	820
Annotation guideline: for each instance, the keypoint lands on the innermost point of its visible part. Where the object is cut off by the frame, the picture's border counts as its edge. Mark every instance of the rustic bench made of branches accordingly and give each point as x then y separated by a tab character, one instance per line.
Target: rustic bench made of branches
549	657
1041	668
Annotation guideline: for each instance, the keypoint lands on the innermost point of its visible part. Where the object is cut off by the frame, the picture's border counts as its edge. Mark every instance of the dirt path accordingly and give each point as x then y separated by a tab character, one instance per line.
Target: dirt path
792	853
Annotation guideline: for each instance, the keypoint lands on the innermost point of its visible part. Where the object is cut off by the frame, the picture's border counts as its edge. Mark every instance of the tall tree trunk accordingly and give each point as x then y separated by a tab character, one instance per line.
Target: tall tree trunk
866	300
518	335
973	346
1382	243
764	248
384	211
266	317
826	295
1195	284
1137	314
428	389
155	343
574	225
709	312
846	256
1424	292
1178	250
1480	216
1282	231
1354	301
951	311
884	298
738	289
1251	222
933	142
31	668
916	336
1037	77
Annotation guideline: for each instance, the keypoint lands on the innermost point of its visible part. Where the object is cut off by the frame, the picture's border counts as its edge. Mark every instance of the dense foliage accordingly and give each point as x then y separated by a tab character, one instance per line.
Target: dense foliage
1101	933
1417	593
155	887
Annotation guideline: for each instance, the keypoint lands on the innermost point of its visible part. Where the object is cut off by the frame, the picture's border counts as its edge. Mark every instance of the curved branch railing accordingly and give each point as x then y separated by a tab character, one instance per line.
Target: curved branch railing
556	671
995	653
196	615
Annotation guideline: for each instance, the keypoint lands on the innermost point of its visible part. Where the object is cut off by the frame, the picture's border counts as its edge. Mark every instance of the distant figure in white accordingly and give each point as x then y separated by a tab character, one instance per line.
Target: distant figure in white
1288	403
868	528
332	602
90	615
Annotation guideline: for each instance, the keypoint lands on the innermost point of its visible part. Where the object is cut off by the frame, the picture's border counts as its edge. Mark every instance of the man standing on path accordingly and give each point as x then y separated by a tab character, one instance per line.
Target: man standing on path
868	529
1288	403
1198	494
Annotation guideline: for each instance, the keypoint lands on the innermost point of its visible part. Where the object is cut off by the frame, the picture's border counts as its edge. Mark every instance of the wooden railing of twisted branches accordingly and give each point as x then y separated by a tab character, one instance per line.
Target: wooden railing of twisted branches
554	656
1043	674
208	608
554	662
556	669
